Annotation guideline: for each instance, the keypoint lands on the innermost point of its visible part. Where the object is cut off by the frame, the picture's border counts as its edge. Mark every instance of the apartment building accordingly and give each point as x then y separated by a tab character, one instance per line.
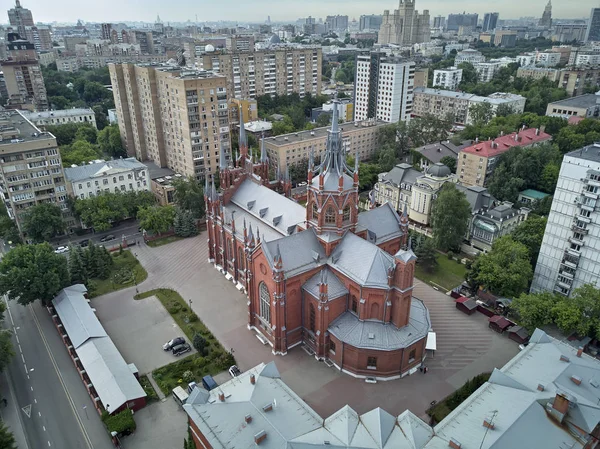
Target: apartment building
575	81
538	73
477	162
359	138
40	37
569	256
486	70
119	175
281	70
585	106
395	187
383	87
468	55
447	78
30	168
75	63
61	117
23	76
176	117
442	103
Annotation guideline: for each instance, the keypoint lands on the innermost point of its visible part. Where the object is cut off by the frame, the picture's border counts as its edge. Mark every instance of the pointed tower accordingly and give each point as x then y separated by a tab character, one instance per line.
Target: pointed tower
332	186
262	168
243	141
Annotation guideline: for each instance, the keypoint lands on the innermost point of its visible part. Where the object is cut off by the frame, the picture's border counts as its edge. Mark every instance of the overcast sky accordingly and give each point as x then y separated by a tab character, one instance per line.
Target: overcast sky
279	10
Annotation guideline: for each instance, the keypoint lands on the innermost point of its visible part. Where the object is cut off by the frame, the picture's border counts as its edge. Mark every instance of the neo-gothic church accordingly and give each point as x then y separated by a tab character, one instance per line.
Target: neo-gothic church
327	276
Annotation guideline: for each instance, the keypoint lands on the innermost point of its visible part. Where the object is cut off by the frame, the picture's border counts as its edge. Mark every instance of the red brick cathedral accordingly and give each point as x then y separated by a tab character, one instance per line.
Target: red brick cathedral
327	276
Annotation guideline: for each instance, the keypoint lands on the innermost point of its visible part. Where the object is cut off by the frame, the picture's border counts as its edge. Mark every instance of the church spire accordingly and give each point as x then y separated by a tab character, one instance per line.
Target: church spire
243	140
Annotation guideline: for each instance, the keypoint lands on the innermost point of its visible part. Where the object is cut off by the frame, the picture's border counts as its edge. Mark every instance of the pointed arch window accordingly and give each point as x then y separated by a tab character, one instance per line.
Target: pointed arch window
265	302
346	213
330	215
315	211
312	318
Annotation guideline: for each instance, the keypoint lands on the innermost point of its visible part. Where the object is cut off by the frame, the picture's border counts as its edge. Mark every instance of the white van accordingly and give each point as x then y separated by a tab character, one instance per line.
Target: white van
180	395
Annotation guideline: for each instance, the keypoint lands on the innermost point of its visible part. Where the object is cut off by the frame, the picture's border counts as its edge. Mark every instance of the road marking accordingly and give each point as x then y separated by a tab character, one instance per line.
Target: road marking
35	400
40	414
44	427
60	378
20	350
23	357
49	443
17	337
31	388
27	410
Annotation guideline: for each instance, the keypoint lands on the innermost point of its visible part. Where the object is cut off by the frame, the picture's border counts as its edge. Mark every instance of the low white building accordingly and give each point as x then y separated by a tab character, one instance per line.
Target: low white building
486	70
472	56
526	60
61	117
447	78
547	58
119	175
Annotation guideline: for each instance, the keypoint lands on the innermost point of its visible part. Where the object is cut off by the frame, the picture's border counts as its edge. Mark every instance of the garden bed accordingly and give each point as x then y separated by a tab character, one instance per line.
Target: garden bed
152	396
192	368
125	272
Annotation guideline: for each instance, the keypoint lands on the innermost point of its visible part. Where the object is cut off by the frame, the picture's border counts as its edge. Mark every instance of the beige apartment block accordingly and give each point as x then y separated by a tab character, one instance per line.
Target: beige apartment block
289	149
281	71
30	168
172	116
575	81
538	73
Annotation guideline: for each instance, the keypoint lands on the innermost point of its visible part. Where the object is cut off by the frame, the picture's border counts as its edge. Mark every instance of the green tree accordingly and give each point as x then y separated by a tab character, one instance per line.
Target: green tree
323	120
535	310
78	153
30	272
427	255
66	134
109	141
87	133
450	218
449	162
6	349
8	228
567	317
469	74
156	219
481	113
7	440
43	221
506	269
100	116
77	268
530	233
185	223
200	344
189	196
504	110
286	126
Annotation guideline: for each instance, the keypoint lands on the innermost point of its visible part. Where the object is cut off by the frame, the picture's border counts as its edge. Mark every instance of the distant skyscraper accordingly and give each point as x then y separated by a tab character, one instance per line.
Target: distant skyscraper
593	30
490	21
546	20
371	22
20	18
337	23
106	31
405	26
457	20
439	22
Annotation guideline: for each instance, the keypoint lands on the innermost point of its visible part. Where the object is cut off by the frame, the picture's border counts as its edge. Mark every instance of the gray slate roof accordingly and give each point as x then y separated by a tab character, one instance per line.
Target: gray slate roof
268	206
361	261
332	181
581	101
109	373
88	171
402	173
383	223
335	287
478	197
267	233
382	336
434	152
299	252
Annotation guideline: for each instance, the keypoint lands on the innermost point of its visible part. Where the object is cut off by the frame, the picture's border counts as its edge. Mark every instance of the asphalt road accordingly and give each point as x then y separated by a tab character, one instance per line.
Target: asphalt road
47	389
128	229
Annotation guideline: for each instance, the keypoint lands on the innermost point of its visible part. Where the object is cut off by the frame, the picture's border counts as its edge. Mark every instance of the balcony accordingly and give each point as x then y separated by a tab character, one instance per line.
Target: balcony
576	241
579	229
584	218
591	182
591	195
573	252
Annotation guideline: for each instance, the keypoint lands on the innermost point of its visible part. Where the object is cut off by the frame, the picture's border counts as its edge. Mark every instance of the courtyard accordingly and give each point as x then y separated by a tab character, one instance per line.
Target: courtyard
465	345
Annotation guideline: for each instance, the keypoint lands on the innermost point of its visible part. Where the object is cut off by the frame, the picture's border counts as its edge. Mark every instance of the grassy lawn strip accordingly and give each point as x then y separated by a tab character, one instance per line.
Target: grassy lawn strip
125	262
447	274
192	368
149	389
443	408
164	241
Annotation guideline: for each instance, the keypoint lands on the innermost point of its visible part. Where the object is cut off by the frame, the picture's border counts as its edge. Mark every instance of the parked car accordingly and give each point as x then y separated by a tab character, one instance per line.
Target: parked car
209	383
234	371
85	242
181	349
176	341
108	237
61	250
191	386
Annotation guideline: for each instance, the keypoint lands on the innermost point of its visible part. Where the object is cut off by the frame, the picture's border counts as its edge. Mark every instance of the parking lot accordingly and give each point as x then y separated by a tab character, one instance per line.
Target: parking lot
138	328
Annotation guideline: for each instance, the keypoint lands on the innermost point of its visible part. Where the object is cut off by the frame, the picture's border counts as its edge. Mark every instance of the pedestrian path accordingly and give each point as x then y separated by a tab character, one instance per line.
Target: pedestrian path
159	392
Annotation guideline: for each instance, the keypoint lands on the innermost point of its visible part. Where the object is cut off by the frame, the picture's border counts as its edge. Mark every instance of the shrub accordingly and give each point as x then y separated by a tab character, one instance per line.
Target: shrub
225	360
450	255
193	318
200	344
174	309
188	375
122	422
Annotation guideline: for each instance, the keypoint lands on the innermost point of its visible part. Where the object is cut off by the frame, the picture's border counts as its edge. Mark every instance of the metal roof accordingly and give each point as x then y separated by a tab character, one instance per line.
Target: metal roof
299	252
402	173
379	335
267	233
59	113
383	222
109	373
335	287
76	315
582	101
114	166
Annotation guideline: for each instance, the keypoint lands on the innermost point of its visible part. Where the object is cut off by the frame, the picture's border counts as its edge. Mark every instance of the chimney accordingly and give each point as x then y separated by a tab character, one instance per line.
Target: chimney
454	444
476	139
540	387
260	437
537	131
252	379
487	422
561	404
579	351
501	133
564	358
248	419
576	380
268	407
221	396
542	129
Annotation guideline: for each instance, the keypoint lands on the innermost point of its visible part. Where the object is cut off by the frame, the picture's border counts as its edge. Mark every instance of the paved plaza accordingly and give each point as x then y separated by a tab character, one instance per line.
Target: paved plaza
466	346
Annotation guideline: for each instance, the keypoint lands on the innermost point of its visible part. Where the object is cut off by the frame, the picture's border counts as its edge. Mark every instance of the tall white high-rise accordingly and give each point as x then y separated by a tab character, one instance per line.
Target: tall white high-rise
569	256
383	87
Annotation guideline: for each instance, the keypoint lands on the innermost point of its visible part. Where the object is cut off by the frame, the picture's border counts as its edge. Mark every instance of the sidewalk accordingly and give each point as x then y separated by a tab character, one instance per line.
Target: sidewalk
10	414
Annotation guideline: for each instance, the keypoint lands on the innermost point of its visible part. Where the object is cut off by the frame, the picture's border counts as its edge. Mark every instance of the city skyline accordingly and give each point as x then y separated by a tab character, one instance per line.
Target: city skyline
258	10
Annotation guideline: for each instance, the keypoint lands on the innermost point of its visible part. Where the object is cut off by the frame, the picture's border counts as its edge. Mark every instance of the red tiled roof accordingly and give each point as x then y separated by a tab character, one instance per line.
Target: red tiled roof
499	145
574	119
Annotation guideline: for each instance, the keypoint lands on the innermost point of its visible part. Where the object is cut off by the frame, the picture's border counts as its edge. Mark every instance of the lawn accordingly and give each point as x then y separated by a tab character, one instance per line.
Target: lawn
124	263
164	240
214	360
446	275
443	408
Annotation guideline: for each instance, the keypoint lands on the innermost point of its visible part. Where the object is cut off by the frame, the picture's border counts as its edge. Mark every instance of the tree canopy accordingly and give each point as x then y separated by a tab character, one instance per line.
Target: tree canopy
31	272
156	219
43	221
530	233
6	347
450	217
7	440
101	211
189	196
505	270
109	141
79	152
